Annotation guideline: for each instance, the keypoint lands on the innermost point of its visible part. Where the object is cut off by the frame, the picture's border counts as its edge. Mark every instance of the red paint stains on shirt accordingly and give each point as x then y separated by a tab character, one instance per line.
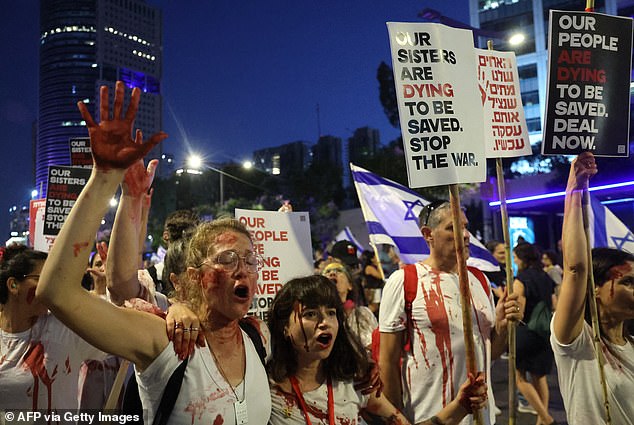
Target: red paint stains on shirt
219	420
78	246
34	359
423	344
67	368
439	321
198	407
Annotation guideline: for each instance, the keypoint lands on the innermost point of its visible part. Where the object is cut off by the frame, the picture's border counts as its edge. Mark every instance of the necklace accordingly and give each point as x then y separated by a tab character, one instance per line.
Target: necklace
240	406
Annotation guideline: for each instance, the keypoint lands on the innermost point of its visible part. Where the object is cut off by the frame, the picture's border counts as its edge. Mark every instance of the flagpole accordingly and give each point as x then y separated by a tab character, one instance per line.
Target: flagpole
465	292
512	384
592	301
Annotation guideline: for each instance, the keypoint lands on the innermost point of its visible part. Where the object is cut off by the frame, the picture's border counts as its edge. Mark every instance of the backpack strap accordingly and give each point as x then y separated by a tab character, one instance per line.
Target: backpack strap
410	286
170	394
250	329
482	278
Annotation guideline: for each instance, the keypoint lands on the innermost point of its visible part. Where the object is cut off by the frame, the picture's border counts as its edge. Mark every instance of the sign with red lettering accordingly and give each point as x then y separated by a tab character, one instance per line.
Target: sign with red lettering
37	240
588	97
64	186
80	153
505	130
437	94
282	240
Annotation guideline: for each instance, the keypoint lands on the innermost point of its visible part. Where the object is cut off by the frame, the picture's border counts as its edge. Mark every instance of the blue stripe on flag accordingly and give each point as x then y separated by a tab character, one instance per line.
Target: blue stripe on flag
600	231
411	245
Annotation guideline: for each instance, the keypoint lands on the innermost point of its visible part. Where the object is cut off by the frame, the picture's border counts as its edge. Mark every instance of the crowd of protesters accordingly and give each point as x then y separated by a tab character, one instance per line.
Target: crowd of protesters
343	345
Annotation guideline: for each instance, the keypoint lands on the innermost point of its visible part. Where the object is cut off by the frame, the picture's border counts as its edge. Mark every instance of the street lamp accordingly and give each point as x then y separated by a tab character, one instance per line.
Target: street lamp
517	39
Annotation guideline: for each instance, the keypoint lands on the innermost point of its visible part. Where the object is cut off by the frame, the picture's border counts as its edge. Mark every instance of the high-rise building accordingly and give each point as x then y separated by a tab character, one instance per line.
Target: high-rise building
364	143
85	44
283	160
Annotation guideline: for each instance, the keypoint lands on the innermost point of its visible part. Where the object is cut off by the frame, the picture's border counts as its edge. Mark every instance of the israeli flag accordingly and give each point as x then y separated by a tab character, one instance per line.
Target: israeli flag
391	213
606	230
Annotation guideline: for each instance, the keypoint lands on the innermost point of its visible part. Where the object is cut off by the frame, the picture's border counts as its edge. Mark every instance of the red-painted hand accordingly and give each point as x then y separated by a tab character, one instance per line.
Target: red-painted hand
110	140
138	179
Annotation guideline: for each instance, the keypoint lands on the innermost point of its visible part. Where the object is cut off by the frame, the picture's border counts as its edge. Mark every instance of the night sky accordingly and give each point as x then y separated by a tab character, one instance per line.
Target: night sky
237	76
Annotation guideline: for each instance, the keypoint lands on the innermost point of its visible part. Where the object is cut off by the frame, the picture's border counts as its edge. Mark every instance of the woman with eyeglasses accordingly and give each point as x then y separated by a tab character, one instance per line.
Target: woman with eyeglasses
40	357
223	382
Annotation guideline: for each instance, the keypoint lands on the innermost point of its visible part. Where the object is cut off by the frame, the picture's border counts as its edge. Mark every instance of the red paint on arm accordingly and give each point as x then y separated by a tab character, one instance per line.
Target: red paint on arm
78	246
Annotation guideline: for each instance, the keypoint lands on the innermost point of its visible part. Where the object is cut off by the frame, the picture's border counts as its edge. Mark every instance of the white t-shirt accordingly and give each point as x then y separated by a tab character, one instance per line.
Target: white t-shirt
39	368
580	384
205	396
362	322
287	410
432	375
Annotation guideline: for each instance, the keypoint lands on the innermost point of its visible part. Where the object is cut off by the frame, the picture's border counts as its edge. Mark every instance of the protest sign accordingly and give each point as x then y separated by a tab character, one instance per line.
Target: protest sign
588	97
505	130
64	186
437	94
80	153
282	240
37	239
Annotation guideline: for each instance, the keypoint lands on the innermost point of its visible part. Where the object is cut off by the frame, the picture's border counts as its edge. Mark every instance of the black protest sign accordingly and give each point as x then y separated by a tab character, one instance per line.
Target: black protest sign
64	186
588	104
80	154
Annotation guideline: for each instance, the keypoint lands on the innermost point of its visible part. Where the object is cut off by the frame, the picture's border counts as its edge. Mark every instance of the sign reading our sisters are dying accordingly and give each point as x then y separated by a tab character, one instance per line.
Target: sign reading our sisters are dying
80	152
282	241
438	102
588	97
505	130
64	186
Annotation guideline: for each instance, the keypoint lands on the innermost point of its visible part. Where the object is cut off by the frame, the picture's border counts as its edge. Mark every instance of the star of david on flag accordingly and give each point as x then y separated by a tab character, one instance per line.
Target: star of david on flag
606	230
391	213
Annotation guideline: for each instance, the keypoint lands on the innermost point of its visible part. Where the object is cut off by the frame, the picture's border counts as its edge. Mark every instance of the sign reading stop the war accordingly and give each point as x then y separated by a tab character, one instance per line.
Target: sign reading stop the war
588	104
282	240
505	130
438	103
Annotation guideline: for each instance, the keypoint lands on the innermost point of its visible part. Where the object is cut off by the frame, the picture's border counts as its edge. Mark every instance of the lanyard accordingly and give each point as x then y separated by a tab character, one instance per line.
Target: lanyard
302	402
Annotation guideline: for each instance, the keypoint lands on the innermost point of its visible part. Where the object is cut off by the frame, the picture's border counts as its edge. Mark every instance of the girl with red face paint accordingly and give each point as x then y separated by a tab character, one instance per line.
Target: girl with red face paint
315	362
40	357
572	336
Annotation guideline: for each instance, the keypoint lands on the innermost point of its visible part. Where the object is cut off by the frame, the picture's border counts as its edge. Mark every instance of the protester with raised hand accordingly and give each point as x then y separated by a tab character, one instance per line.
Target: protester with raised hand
572	336
222	382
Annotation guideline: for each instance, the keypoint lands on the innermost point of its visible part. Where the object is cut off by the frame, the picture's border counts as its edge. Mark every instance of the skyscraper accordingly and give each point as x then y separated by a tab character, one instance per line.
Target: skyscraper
85	44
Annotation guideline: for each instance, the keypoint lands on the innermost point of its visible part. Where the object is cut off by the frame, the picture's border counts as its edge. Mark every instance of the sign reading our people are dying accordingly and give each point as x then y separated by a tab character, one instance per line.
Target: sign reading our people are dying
282	240
588	104
438	102
505	130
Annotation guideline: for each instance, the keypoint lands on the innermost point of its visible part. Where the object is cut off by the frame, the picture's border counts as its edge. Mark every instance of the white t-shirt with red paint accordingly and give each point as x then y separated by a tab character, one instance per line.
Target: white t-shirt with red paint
205	396
433	373
347	402
39	368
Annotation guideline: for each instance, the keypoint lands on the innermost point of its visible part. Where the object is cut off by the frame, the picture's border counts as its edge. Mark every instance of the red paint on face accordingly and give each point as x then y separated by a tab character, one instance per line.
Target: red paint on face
226	238
34	363
209	279
437	314
219	420
30	296
78	246
297	316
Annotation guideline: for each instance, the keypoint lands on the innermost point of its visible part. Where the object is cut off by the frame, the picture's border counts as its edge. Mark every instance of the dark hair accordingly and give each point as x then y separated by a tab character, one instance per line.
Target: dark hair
553	256
174	262
17	261
347	359
492	244
366	258
603	259
529	254
178	223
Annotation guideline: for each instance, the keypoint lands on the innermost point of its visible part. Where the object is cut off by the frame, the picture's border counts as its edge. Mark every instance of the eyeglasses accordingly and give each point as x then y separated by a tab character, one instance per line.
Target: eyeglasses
329	270
229	260
31	276
428	209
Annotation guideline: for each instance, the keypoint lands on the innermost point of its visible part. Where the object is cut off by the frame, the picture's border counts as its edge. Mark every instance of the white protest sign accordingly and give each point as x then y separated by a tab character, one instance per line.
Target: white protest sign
37	239
283	242
505	130
438	102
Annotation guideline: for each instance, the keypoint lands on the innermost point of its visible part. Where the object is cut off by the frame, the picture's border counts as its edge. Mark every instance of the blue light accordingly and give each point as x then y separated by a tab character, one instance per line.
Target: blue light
617	201
558	194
